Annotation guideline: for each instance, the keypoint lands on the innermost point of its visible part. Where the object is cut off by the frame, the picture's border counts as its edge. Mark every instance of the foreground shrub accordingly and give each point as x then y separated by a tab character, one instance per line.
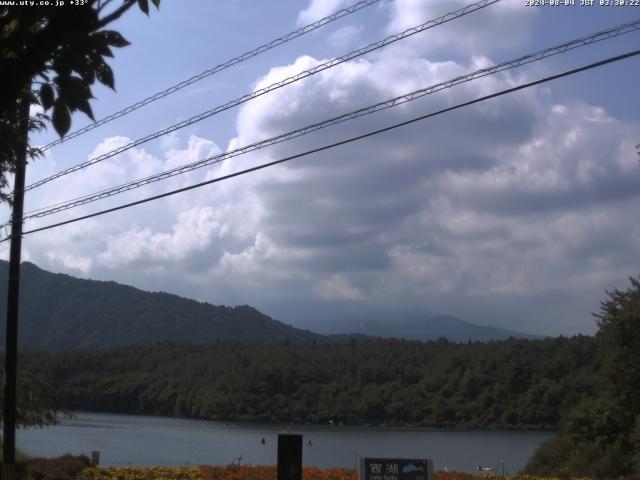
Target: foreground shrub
235	472
549	458
54	468
229	472
141	473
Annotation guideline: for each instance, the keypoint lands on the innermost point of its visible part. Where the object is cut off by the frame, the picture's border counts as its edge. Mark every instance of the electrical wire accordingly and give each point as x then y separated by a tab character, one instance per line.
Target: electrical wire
399	100
218	68
274	86
339	143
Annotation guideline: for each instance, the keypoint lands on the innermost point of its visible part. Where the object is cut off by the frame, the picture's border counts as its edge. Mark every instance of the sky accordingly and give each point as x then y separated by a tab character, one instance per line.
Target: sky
518	212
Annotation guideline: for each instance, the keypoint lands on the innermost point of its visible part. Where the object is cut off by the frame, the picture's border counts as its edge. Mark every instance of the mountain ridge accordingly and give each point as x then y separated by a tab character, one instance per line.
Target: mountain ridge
425	328
60	312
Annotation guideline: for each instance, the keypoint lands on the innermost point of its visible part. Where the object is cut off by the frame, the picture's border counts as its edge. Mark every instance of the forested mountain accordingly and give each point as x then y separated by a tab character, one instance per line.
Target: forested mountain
59	312
508	384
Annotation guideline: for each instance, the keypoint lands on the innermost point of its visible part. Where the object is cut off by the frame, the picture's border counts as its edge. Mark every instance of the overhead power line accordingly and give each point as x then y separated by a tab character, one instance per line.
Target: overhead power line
218	68
506	65
342	142
274	86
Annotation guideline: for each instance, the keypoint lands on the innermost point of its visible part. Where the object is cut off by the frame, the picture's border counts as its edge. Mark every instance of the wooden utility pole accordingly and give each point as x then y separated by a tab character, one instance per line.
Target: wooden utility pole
11	348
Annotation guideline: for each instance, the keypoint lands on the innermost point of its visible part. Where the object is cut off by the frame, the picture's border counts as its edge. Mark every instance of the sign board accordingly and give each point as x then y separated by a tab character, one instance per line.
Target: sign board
396	469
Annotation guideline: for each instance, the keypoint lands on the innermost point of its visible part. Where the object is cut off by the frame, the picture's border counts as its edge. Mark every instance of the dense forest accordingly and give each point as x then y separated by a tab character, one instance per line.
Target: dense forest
507	384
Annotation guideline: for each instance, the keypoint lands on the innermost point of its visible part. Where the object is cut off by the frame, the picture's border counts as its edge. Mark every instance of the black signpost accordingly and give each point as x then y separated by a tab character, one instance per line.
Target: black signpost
396	469
289	457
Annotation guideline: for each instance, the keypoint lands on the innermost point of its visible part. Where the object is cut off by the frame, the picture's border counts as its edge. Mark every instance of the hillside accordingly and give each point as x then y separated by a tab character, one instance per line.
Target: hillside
59	312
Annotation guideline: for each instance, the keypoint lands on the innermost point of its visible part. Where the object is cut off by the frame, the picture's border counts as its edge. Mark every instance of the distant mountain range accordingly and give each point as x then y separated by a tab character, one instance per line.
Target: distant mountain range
429	328
59	312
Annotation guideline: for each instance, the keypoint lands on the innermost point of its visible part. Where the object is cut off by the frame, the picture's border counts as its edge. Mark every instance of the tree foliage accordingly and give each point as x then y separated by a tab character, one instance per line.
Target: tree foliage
512	384
600	437
51	56
37	402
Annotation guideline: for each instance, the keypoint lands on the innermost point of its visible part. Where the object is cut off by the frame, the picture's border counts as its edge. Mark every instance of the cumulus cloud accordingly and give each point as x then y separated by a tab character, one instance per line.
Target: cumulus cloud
483	31
511	199
107	240
563	166
194	230
513	212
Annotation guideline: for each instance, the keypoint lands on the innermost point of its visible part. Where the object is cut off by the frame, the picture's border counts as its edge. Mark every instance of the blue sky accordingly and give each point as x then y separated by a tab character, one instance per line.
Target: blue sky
516	212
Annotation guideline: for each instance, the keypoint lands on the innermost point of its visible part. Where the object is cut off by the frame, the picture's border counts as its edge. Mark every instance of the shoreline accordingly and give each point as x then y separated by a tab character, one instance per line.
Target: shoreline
153	440
243	424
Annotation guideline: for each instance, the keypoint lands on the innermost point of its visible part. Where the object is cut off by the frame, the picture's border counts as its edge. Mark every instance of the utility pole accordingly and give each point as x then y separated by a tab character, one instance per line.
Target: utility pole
15	250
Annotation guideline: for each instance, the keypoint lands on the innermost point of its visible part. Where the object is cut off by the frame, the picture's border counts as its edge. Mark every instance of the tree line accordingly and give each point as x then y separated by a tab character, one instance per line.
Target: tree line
507	384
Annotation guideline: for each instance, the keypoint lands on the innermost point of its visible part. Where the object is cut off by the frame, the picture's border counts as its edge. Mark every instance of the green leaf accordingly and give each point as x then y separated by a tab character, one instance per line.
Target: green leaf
61	118
46	96
99	46
113	38
144	6
85	108
105	75
74	92
156	3
87	72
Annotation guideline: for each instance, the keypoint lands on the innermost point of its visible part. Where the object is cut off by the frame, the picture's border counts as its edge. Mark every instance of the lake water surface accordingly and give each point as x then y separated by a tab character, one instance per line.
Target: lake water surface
141	440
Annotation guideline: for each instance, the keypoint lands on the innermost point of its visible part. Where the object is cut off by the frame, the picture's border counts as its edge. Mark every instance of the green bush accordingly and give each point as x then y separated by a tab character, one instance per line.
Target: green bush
549	458
60	467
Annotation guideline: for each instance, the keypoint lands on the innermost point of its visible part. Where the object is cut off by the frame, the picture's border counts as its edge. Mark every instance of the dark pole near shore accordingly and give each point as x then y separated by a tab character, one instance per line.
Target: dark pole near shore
11	348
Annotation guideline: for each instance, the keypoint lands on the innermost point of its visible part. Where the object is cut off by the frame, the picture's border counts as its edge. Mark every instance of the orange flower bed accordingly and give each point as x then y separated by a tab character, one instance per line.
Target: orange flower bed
235	472
232	472
229	472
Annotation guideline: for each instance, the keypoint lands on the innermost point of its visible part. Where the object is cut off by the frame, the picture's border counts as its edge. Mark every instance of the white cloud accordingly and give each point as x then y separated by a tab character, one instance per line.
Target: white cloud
500	26
563	160
498	194
80	265
337	287
194	230
318	9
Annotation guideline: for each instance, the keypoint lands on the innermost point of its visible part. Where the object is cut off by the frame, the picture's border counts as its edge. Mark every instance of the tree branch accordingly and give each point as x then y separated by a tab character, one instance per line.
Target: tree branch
117	13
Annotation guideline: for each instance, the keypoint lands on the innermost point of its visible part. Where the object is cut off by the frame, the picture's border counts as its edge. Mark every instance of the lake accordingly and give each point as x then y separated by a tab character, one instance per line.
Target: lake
142	440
